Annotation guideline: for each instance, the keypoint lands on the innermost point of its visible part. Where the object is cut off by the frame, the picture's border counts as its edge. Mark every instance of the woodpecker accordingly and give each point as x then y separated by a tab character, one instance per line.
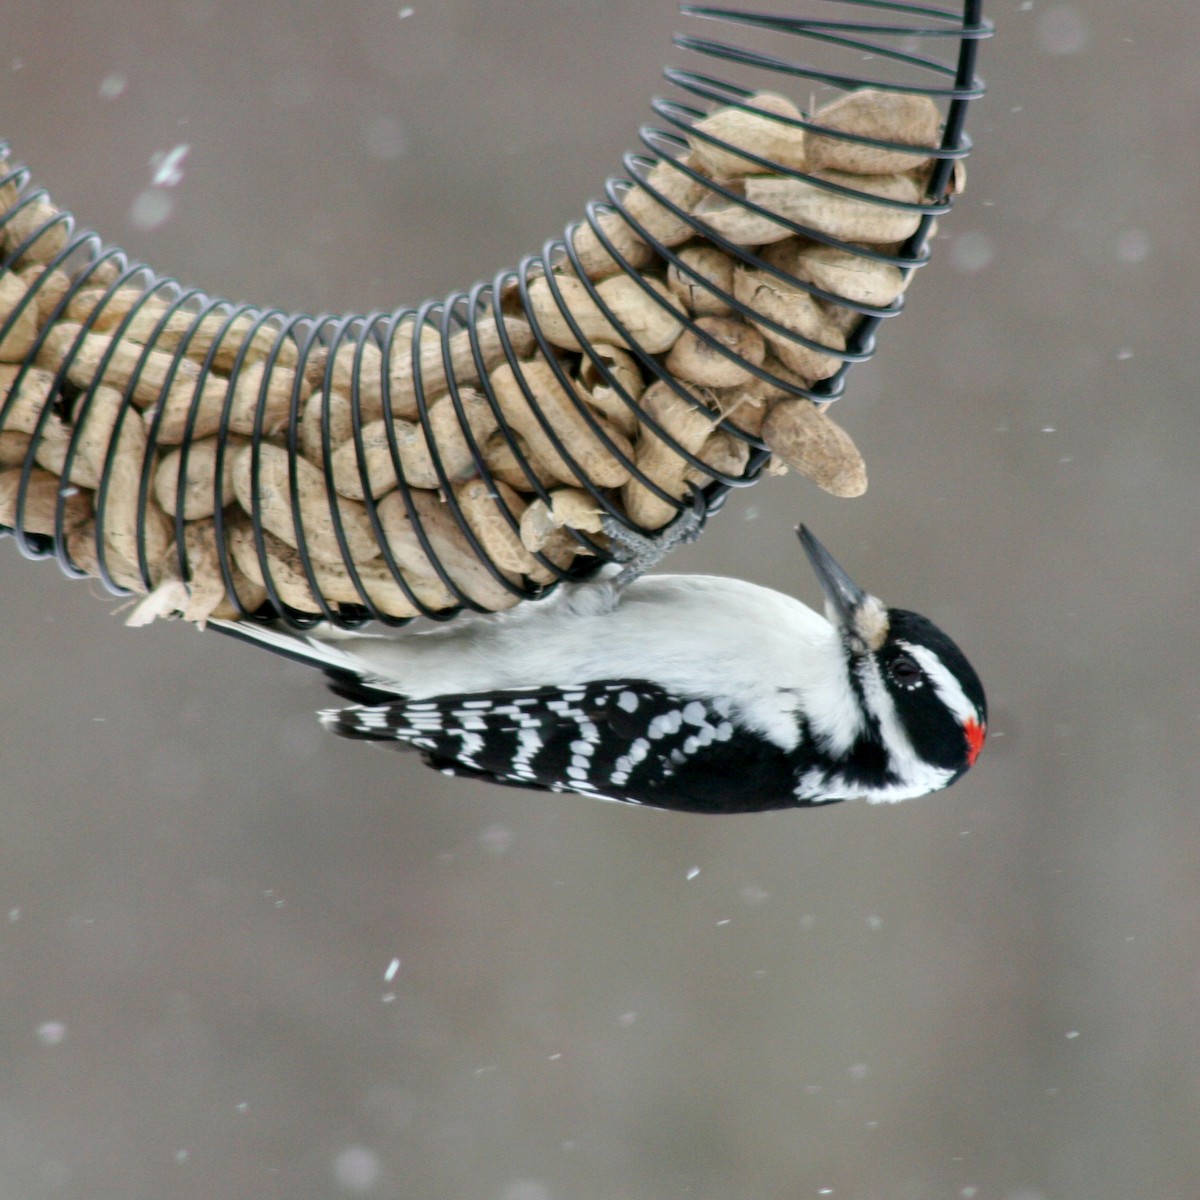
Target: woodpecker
686	692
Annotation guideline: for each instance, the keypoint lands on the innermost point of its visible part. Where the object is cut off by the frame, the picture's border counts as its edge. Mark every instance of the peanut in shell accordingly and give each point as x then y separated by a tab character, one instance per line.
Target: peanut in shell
902	117
703	270
696	360
791	307
200	492
585	457
751	128
689	426
41	502
868	216
18	318
811	442
449	544
271	502
39	223
855	277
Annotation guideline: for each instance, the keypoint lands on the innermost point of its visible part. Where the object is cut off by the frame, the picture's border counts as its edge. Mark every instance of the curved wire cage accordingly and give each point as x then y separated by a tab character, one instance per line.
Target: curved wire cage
120	371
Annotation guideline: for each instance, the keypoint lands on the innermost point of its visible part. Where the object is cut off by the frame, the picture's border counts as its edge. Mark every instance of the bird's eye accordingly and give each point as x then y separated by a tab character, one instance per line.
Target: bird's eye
906	672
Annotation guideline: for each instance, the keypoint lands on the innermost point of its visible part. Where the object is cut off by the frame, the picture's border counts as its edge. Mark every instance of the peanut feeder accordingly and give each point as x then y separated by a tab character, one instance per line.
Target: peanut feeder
470	455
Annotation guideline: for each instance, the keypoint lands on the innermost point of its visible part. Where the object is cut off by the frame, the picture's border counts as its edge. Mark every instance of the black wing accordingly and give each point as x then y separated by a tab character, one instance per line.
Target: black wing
627	740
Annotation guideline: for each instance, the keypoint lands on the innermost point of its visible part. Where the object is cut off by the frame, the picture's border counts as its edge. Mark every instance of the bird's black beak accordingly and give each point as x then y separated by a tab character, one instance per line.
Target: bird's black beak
859	615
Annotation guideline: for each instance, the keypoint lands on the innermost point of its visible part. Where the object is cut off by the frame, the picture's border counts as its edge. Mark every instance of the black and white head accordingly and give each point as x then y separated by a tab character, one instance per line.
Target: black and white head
918	716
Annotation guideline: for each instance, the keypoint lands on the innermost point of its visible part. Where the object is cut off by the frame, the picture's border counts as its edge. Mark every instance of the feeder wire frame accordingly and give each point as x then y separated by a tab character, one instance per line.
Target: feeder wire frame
316	342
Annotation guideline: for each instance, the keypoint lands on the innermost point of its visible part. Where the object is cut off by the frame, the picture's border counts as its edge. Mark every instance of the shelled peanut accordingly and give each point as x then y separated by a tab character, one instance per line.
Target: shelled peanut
186	451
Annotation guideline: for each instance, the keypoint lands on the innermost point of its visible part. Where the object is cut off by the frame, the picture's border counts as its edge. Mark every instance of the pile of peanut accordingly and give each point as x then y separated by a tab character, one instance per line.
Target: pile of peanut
428	472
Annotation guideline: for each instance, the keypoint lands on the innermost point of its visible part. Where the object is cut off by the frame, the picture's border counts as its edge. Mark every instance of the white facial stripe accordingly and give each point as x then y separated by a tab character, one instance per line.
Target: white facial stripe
931	779
948	688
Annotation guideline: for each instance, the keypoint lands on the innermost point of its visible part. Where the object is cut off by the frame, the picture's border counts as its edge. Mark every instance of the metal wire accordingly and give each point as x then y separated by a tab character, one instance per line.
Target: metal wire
867	43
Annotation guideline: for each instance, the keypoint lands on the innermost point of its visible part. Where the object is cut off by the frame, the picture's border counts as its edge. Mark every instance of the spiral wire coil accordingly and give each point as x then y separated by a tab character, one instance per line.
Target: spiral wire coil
472	334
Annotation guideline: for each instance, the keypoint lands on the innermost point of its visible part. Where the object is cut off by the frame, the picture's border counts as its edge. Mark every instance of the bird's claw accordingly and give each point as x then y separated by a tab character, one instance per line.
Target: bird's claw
638	552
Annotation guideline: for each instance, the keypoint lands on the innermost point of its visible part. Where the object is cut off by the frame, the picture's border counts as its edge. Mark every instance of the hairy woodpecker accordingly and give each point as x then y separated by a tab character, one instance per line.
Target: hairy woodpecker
685	692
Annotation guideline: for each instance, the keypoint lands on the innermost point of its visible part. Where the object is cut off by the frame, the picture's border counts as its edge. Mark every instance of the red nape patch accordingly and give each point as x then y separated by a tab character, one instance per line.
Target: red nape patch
975	739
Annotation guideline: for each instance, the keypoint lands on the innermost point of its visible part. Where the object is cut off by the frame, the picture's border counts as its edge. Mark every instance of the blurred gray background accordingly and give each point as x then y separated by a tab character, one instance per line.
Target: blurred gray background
992	994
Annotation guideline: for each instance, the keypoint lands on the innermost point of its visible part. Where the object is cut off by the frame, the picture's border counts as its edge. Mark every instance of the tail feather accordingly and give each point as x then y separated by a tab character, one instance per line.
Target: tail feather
347	685
323	653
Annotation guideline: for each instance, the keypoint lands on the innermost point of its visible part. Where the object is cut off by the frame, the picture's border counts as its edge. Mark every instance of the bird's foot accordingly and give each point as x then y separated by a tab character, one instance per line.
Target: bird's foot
638	552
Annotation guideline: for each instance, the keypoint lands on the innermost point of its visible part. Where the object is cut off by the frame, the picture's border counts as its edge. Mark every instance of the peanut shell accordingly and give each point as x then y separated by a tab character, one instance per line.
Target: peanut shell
775	140
797	311
690	427
815	445
22	325
714	267
696	361
274	505
199	491
848	218
449	545
587	458
41	502
639	318
485	511
902	117
35	220
853	276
